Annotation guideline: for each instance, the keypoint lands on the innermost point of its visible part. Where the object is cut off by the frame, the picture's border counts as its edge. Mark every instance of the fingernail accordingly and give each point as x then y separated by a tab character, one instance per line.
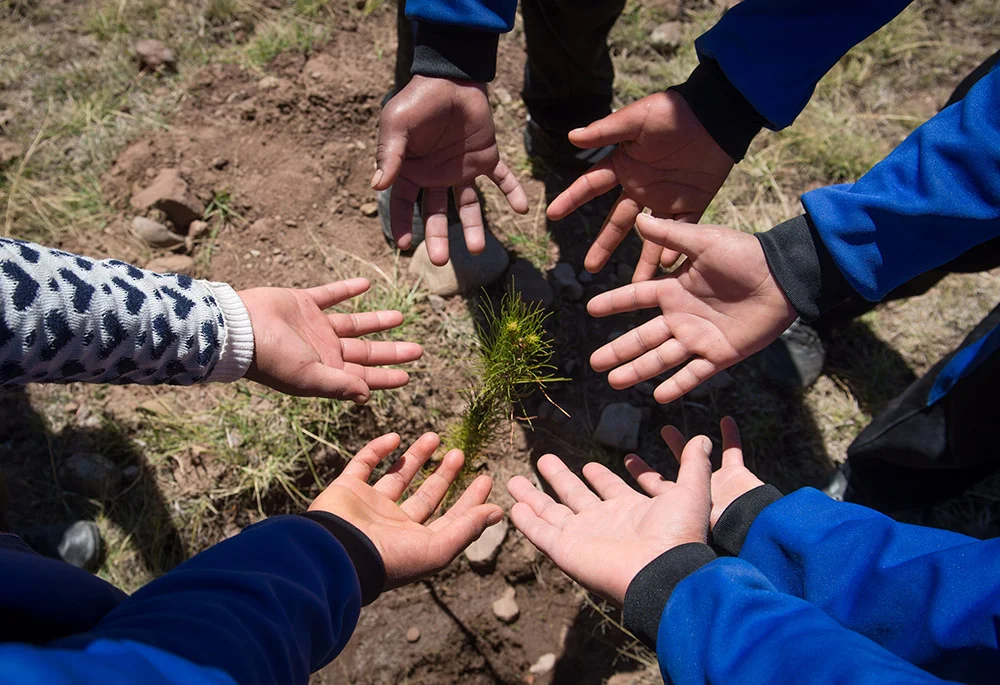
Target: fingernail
577	130
494	518
706	445
377	177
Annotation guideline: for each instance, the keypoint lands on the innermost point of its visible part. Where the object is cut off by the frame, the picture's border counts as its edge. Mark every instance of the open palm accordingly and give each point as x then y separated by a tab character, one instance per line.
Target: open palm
719	307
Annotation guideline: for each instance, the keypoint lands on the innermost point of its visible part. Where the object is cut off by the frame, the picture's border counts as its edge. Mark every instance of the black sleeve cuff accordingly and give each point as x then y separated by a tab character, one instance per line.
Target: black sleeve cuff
803	267
727	116
365	557
454	52
732	527
649	591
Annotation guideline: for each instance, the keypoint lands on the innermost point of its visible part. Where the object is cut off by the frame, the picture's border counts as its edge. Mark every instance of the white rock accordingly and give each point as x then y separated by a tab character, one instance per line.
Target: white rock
565	282
482	553
505	608
619	426
155	234
667	37
464	272
545	663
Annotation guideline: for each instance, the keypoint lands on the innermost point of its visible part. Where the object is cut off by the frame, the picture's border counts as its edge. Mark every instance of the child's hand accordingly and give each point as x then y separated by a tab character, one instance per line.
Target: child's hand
409	549
603	540
731	481
718	308
300	350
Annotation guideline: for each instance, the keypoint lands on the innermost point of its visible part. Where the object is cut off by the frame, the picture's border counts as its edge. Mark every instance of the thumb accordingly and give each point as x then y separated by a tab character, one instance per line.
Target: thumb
695	472
389	155
689	239
617	127
464	530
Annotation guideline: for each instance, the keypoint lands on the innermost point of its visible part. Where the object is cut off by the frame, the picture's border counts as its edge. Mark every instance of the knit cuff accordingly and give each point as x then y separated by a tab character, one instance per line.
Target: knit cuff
453	52
730	531
362	551
236	333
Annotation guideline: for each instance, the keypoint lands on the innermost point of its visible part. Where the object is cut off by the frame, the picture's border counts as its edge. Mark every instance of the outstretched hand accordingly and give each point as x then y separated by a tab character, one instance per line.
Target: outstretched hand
300	350
603	537
409	549
721	306
437	134
665	160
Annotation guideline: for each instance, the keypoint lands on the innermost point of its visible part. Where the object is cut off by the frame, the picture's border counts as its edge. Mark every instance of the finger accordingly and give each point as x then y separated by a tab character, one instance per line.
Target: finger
732	447
401	201
363	323
616	227
628	298
596	181
471	215
669	257
571	491
449	542
651	482
539	532
377	377
605	482
364	462
474	495
325	381
631	344
649	262
695	471
511	188
521	489
618	127
389	155
330	294
436	224
689	377
653	363
395	481
377	352
689	239
675	440
421	504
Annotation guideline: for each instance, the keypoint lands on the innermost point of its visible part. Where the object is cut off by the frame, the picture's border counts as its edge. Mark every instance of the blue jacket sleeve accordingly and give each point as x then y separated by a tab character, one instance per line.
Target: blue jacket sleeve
929	596
271	605
726	623
493	16
934	197
775	51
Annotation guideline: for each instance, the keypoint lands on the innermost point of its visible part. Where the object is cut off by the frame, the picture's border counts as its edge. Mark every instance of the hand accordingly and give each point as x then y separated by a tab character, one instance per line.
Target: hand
665	161
731	481
435	134
603	540
299	350
718	308
410	550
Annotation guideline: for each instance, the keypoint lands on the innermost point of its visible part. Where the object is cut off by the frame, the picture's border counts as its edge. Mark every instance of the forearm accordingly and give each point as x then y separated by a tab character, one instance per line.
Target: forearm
66	318
458	40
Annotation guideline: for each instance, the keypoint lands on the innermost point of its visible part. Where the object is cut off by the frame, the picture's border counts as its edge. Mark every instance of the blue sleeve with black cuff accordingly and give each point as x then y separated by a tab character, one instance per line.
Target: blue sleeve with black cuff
457	39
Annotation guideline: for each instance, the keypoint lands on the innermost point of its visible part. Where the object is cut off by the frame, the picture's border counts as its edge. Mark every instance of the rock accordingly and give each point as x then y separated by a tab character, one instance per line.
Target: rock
719	381
172	264
370	209
506	608
155	234
482	553
526	280
130	472
154	55
220	163
413	634
91	475
545	663
170	193
619	426
463	272
195	231
565	283
667	37
502	95
269	83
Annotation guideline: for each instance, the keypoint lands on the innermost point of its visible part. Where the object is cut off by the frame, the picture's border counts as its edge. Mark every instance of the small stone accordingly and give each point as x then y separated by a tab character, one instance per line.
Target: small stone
529	283
482	553
255	253
91	475
413	634
268	83
153	54
170	193
618	427
71	407
220	163
155	234
667	37
291	223
565	283
502	95
130	472
505	608
237	96
464	272
172	264
370	209
197	229
545	663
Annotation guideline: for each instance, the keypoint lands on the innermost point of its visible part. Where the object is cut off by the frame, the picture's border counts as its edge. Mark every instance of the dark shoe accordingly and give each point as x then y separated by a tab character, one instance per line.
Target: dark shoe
384	198
795	360
556	152
77	543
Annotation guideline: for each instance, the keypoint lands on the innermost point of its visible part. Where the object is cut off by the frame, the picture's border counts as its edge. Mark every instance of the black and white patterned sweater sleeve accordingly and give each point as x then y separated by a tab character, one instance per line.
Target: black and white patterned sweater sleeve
66	318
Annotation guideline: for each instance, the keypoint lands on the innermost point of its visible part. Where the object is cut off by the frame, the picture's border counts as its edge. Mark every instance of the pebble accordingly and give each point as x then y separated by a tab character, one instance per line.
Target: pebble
170	193
90	474
667	37
529	283
618	427
71	407
413	634
565	282
154	54
505	608
370	209
464	272
482	553
220	163
155	234
268	83
545	663
172	264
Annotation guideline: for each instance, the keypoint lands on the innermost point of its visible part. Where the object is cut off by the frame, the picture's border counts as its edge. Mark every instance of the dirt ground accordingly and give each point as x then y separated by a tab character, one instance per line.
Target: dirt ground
271	118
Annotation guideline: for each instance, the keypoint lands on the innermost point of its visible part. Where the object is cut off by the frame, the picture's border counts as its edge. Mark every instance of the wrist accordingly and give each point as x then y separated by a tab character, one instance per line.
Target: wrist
733	526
